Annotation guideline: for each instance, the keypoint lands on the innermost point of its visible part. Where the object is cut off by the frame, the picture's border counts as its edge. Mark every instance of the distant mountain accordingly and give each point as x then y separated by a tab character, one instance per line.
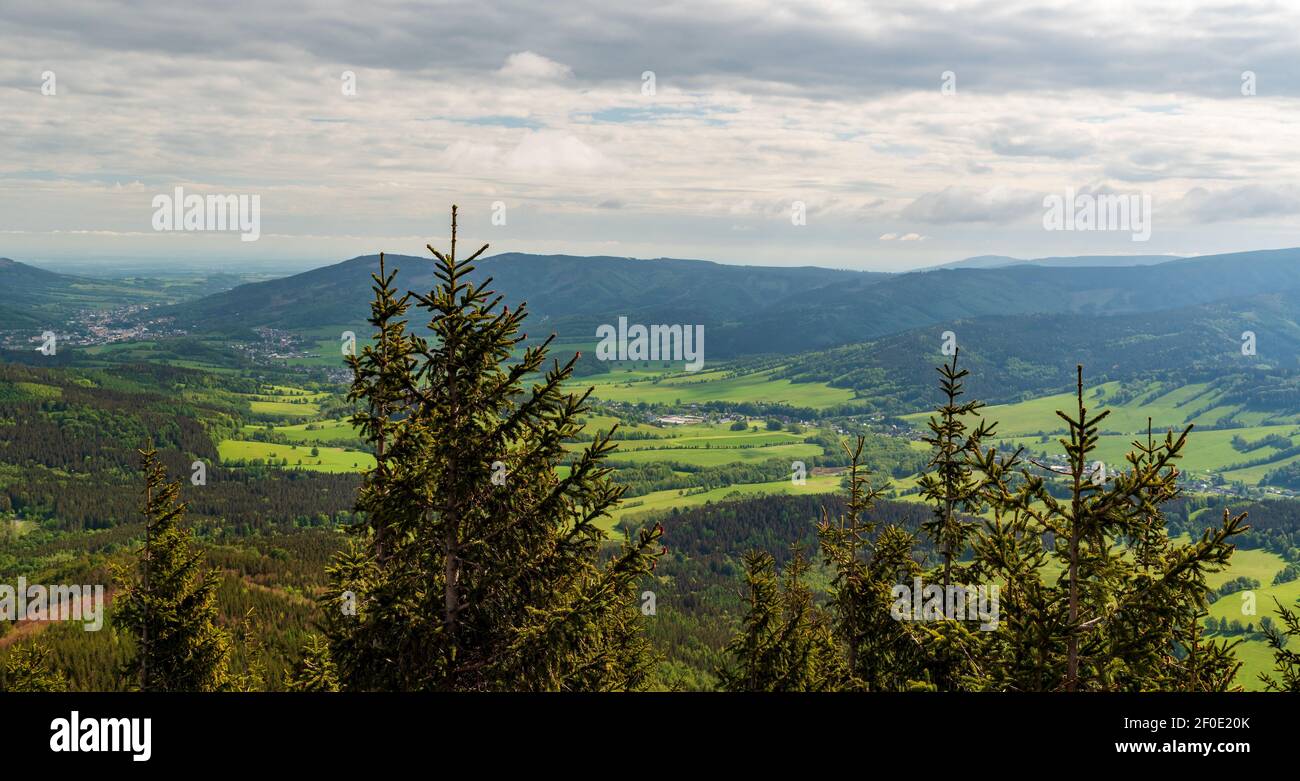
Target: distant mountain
979	261
1013	357
846	314
573	294
34	298
1097	261
22	278
750	309
37	299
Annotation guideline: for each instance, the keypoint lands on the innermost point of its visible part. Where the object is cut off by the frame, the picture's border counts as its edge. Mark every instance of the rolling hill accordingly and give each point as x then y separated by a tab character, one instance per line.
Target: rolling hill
38	299
571	293
1013	357
751	309
1095	261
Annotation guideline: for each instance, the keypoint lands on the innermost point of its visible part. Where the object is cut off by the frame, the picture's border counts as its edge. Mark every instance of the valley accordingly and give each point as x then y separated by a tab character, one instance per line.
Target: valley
258	393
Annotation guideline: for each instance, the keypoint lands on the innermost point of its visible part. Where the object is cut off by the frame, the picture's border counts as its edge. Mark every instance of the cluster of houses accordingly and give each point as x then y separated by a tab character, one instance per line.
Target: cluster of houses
679	420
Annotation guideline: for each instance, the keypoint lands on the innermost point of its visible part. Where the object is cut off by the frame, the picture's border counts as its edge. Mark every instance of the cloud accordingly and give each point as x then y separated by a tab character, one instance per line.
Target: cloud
1161	45
1023	139
1248	202
532	66
964	204
550	152
547	109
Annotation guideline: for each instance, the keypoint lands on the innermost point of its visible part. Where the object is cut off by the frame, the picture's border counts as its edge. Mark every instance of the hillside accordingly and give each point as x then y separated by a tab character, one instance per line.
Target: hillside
1096	261
38	299
1012	357
754	310
573	293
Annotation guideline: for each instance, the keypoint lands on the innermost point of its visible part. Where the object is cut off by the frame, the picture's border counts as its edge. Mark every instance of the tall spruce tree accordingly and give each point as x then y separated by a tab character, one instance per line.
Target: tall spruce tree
956	484
785	643
952	483
880	652
478	567
1125	611
169	603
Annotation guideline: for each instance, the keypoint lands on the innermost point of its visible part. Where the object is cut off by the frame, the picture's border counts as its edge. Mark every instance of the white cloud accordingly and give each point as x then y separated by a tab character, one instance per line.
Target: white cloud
550	152
1253	201
529	65
965	204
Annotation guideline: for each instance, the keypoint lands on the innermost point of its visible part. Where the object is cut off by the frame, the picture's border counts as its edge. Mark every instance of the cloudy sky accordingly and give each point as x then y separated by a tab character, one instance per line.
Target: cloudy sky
680	129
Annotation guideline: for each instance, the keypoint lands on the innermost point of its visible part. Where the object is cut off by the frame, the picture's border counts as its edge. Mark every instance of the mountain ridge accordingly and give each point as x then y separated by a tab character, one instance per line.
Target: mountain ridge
754	309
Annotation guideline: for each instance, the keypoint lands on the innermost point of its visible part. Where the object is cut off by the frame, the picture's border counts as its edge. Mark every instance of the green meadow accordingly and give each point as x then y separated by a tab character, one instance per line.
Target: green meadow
284	401
716	456
1255	655
1205	452
703	444
652	387
315	431
661	501
1035	425
328	459
1167	408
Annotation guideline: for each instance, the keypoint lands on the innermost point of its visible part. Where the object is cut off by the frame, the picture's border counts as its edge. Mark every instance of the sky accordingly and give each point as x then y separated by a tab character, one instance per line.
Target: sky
850	134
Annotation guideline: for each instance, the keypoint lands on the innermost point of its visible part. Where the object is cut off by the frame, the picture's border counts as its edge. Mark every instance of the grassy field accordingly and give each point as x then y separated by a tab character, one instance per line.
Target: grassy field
1205	452
316	431
728	439
326	345
1035	425
1254	474
660	501
716	456
286	409
1255	655
705	444
1173	408
284	401
328	459
646	386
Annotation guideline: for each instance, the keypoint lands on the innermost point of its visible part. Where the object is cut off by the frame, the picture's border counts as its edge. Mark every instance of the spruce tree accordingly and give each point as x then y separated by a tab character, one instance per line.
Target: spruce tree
952	483
478	567
1125	611
880	652
29	668
168	605
785	643
1286	661
315	671
956	484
